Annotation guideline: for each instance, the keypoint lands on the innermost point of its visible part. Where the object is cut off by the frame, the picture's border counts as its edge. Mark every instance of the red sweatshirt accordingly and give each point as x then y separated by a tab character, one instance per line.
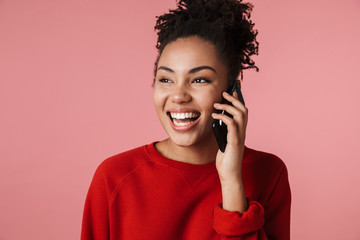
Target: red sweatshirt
140	194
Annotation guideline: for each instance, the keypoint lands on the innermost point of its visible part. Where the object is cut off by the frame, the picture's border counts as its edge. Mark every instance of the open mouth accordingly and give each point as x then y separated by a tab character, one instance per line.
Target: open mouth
183	119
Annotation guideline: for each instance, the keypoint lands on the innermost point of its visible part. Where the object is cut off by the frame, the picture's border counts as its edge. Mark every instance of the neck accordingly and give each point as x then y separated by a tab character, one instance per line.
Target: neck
200	153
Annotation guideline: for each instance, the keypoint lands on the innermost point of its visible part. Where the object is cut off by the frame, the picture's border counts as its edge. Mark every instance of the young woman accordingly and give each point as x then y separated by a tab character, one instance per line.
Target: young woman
184	187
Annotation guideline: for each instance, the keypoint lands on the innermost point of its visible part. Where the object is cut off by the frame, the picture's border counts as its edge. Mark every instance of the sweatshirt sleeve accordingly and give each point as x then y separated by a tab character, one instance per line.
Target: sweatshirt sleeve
95	224
271	221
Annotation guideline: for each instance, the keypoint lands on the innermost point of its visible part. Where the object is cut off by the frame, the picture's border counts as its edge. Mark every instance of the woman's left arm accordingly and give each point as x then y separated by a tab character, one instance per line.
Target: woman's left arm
271	221
236	218
229	163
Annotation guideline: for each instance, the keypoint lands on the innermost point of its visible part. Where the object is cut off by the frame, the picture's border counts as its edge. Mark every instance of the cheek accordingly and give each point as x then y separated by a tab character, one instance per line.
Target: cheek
208	99
159	99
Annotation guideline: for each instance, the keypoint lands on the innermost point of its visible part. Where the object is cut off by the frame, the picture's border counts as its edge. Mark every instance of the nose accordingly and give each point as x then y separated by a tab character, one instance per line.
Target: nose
180	94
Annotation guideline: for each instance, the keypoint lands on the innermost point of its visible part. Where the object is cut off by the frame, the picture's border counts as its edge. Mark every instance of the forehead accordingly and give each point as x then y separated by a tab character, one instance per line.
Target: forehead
185	53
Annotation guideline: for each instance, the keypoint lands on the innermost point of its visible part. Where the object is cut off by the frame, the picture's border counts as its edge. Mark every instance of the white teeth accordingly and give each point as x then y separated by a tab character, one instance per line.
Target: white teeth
180	124
184	115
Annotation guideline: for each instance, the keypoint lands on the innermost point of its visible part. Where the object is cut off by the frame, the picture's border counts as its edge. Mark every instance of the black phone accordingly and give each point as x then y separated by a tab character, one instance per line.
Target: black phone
218	126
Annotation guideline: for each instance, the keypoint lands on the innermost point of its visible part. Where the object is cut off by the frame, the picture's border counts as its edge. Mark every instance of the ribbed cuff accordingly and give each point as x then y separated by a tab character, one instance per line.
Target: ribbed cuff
235	223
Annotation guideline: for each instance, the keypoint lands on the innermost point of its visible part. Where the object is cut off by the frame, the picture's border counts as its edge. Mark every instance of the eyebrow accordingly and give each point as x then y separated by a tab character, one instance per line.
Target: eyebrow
193	70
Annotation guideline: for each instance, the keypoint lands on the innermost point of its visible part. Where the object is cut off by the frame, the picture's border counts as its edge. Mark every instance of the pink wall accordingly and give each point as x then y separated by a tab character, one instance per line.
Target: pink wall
75	88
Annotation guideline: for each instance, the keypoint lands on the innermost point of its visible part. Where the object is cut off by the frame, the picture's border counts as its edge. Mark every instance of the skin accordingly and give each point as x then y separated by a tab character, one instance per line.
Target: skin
179	84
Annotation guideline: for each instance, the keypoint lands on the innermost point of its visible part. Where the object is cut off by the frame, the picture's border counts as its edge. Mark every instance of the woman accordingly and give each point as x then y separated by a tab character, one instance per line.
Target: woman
184	187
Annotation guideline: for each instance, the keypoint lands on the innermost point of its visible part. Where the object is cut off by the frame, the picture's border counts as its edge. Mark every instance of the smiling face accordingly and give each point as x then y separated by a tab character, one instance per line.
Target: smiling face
190	78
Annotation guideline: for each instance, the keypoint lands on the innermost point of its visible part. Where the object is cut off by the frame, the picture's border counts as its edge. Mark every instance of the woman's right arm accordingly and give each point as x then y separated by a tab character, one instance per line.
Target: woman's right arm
95	223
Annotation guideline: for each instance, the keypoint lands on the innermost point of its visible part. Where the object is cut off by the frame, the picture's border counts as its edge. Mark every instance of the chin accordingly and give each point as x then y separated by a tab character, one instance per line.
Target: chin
182	141
192	141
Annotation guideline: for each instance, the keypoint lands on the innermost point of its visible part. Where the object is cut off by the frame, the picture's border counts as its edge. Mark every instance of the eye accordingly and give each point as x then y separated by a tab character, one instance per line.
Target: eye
201	80
164	80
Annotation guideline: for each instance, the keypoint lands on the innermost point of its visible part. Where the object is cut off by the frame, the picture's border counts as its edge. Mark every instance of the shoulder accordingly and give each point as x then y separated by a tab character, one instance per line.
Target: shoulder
263	171
115	167
263	159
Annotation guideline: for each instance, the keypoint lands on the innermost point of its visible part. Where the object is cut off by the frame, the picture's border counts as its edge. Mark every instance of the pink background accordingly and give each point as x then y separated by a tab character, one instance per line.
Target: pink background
75	88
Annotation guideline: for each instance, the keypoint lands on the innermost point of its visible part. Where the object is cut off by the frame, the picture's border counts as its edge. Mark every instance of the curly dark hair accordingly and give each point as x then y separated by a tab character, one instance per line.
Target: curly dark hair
225	23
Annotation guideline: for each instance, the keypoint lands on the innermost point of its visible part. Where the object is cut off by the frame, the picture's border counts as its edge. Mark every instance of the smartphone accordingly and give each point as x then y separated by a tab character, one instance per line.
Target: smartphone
218	126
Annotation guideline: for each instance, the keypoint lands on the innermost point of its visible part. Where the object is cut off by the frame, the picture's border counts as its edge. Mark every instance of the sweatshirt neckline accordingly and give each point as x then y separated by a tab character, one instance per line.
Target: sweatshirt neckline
183	166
